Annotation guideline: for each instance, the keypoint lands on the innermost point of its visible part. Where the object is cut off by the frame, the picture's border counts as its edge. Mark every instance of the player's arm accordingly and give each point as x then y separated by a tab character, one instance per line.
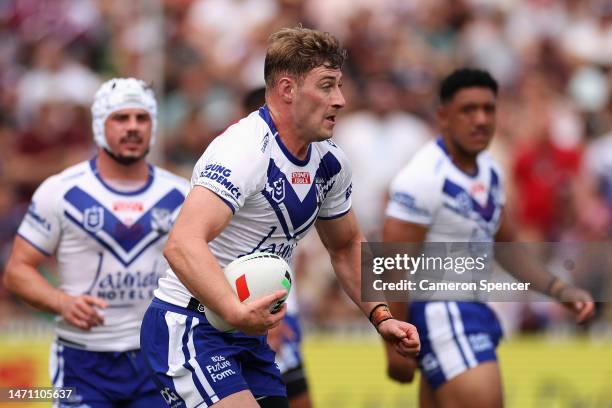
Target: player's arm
527	268
22	278
342	238
202	218
394	230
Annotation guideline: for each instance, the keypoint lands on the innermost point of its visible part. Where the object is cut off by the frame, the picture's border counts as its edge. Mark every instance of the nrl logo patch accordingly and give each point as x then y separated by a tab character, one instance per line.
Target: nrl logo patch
161	220
278	190
93	218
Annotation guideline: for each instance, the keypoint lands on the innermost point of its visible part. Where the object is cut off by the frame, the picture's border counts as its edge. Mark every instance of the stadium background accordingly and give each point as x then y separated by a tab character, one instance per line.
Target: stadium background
553	60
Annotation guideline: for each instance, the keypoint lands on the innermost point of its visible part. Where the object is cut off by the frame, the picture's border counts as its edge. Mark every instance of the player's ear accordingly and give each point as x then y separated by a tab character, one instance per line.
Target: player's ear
286	89
442	113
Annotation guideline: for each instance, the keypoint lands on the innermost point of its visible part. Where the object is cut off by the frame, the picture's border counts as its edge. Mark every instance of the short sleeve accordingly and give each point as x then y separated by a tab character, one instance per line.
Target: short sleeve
338	201
227	170
41	226
414	195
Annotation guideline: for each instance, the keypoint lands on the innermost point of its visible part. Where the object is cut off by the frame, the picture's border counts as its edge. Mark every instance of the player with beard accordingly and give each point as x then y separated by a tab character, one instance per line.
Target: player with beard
106	221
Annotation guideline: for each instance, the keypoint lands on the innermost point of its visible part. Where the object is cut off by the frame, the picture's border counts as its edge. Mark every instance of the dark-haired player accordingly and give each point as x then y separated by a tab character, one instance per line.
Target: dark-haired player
452	191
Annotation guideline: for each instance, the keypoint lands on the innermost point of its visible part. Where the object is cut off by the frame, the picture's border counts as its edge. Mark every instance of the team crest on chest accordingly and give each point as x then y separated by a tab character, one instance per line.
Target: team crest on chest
161	220
464	203
93	218
278	190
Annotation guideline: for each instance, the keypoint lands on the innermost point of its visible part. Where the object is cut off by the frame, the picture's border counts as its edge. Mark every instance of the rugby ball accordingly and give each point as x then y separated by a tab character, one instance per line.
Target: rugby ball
252	277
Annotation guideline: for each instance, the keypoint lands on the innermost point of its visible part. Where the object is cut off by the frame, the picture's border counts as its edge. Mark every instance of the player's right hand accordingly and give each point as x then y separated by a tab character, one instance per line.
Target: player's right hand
80	311
255	318
403	336
578	301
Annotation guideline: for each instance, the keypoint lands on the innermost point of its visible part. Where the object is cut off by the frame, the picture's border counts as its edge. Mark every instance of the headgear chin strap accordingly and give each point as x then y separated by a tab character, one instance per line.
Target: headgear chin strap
117	94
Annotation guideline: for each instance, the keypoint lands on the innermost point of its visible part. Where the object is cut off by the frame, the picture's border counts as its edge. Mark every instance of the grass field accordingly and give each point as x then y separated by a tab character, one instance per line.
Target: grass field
349	372
536	373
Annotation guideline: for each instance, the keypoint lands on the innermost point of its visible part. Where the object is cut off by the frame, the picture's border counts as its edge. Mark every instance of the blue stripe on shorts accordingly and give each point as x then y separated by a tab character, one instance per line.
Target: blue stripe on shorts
455	336
199	365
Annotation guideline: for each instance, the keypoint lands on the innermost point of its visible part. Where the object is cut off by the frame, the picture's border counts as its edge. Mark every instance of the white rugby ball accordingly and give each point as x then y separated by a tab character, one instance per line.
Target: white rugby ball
252	277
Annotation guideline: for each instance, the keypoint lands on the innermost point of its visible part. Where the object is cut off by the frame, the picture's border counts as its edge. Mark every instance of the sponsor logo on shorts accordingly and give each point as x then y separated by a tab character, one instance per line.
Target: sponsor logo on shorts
480	342
430	363
220	368
169	396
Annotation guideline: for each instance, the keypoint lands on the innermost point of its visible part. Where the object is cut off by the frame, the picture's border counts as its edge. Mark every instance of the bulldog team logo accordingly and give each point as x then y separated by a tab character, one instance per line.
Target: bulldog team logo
93	218
320	190
161	220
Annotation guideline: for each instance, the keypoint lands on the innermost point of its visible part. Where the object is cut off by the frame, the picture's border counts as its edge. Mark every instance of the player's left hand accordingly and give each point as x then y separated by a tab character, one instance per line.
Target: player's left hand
403	336
399	368
278	334
578	301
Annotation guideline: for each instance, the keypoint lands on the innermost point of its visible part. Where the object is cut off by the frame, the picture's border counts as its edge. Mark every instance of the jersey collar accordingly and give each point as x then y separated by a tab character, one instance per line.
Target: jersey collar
264	113
94	169
440	143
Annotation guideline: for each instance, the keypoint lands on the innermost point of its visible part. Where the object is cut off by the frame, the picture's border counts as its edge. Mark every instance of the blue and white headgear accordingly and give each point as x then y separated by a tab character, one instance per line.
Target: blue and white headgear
117	94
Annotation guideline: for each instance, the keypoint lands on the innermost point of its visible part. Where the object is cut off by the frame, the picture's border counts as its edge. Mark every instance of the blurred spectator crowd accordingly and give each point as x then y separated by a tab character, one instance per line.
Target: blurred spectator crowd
553	59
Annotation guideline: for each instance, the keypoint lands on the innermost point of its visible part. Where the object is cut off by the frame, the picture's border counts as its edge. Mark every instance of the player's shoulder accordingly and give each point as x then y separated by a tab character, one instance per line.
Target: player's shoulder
329	148
249	135
68	177
75	171
171	179
427	164
55	186
488	161
242	149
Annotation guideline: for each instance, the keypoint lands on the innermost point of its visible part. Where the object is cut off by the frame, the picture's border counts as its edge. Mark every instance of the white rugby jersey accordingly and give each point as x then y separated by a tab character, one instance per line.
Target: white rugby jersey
275	197
108	244
457	207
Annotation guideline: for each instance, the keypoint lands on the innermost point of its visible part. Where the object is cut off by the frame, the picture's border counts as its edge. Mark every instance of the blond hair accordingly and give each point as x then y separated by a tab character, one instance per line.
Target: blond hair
295	51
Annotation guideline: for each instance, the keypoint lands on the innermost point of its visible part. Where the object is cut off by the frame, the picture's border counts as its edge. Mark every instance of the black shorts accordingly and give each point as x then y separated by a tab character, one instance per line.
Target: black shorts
295	380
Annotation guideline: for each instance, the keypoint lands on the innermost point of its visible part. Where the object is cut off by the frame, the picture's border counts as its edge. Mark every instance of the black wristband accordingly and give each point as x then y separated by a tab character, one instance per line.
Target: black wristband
379	314
374	309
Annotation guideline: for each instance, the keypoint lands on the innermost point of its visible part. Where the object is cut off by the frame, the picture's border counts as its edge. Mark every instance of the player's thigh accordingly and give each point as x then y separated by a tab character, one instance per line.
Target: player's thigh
477	387
239	399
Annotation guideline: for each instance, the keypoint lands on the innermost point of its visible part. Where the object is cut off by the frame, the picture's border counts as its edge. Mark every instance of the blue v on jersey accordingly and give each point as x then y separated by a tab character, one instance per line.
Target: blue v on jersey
455	207
108	244
275	197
